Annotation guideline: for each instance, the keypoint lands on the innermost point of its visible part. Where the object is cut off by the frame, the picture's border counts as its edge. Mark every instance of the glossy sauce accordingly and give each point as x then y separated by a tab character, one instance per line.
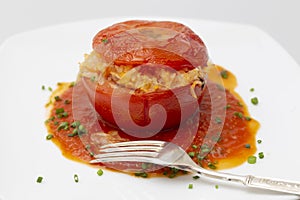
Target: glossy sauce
222	140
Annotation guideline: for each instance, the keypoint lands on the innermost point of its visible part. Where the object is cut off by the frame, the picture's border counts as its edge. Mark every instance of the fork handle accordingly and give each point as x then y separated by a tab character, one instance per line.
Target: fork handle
273	184
253	181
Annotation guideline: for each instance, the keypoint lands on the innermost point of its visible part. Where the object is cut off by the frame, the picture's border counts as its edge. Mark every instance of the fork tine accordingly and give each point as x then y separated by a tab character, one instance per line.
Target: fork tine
128	154
130	148
128	159
136	143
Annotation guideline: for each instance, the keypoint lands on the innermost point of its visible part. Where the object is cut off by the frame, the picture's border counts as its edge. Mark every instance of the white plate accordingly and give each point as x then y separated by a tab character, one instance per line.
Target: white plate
49	55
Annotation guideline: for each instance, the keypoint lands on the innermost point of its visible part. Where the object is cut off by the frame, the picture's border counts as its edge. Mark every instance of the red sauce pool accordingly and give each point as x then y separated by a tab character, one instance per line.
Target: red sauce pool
224	132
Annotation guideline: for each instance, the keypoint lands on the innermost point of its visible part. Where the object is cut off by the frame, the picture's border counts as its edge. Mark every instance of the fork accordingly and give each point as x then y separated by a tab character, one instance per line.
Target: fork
171	155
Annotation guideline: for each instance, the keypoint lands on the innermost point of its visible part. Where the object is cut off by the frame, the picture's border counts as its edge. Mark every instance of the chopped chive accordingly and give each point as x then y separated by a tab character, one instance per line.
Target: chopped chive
75	133
65	114
248	146
104	40
224	74
76	179
239	104
49	137
91	154
220	87
93	78
251	159
217	186
39	179
50	89
67	101
191	154
100	172
247	118
218	120
43	87
211	166
261	155
238	114
194	146
172	176
63	125
55	123
72	84
196	177
174	170
190	186
254	100
141	174
75	124
205	148
259	141
59	111
227	106
57	98
251	89
144	166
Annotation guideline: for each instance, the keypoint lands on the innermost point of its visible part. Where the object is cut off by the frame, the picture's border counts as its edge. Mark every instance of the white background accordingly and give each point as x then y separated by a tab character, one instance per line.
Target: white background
279	18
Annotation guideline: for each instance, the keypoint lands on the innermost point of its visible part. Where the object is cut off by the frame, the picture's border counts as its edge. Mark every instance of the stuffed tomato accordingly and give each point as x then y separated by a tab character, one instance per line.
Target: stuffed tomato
144	77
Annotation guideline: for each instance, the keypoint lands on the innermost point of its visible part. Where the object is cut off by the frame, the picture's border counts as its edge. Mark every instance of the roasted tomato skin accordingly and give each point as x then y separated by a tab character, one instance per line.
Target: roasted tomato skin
181	48
178	104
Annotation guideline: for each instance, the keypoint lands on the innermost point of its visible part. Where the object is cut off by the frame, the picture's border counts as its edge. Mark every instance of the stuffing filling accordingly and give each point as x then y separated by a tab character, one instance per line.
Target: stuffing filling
145	78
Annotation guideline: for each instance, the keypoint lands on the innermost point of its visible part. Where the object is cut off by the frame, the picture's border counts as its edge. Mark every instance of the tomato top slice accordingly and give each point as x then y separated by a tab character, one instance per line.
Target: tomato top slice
160	42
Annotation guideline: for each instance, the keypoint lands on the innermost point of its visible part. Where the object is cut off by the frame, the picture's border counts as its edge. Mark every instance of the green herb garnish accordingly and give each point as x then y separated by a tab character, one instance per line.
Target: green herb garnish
211	166
224	74
63	125
100	172
259	141
141	174
39	179
247	118
57	98
238	114
49	137
191	154
254	100
76	179
218	120
251	159
261	155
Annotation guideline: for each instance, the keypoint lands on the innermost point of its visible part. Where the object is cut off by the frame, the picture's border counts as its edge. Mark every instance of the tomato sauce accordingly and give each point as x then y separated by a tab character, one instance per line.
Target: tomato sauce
220	136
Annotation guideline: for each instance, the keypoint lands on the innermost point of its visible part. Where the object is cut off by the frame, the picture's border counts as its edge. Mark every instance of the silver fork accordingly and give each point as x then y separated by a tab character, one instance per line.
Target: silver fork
171	155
